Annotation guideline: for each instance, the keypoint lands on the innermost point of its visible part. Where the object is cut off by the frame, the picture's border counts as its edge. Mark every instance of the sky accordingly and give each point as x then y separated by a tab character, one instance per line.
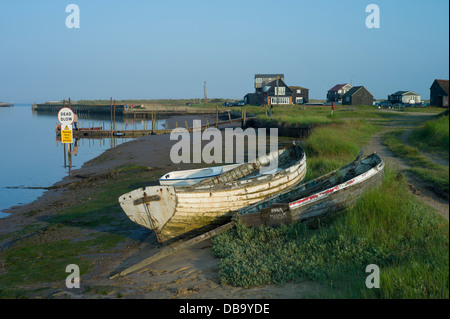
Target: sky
145	49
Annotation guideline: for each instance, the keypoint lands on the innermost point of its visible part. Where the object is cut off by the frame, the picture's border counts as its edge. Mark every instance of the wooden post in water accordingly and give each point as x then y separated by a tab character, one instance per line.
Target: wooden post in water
114	114
217	116
229	117
64	155
110	120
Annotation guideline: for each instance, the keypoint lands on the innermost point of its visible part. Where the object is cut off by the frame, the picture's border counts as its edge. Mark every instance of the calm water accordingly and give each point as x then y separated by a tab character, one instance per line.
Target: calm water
32	157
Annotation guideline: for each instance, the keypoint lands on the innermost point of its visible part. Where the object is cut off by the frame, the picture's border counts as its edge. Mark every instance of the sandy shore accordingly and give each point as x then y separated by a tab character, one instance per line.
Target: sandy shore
191	273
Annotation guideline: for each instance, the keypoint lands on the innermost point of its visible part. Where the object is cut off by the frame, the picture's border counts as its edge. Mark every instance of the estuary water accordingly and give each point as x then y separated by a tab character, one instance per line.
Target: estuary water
32	158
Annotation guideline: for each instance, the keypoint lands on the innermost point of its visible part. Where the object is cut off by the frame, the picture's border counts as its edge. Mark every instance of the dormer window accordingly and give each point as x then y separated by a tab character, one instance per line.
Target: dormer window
280	90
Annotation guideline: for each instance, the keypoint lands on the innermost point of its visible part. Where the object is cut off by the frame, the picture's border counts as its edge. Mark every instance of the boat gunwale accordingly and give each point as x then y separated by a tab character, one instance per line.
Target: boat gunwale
268	202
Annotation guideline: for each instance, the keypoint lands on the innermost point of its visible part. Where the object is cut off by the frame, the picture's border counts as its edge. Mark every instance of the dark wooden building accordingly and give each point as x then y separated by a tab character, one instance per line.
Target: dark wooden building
358	95
300	95
277	93
439	93
336	93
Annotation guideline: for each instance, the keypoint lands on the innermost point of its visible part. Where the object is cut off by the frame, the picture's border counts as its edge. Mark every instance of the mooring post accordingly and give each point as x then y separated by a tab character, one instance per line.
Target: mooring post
114	114
217	116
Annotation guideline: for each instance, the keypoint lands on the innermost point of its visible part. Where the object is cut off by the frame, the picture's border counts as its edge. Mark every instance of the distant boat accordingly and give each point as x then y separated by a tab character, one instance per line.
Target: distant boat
173	211
318	198
3	104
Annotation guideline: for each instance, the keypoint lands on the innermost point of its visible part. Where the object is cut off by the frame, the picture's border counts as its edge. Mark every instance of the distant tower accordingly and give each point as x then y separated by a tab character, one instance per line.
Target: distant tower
206	98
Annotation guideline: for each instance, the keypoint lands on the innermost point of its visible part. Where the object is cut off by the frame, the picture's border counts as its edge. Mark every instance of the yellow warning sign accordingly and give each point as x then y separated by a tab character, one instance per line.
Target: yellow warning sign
66	134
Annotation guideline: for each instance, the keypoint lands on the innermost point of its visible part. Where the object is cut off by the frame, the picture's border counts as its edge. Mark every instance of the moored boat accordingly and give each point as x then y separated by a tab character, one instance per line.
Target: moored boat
318	198
172	211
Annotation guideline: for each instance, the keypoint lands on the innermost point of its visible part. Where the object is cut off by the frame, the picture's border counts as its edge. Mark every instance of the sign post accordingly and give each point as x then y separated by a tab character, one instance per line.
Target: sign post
66	134
66	118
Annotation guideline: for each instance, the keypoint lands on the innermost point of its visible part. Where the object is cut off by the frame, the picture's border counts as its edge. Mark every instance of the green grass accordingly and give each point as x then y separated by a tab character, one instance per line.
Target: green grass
437	175
41	252
433	136
295	115
334	145
386	227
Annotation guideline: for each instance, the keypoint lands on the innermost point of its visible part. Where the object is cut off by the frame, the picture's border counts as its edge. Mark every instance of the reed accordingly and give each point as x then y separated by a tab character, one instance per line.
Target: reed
387	226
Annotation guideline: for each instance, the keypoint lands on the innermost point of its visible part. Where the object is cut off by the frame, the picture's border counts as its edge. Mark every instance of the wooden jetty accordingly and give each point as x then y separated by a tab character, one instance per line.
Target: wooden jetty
171	110
79	109
100	132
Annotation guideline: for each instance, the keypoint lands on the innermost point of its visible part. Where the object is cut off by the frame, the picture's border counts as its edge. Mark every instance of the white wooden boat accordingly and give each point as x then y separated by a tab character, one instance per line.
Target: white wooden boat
318	198
173	211
194	176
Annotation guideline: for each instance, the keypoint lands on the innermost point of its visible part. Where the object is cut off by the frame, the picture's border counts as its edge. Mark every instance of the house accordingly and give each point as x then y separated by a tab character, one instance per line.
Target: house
300	95
404	97
439	93
277	93
357	95
336	92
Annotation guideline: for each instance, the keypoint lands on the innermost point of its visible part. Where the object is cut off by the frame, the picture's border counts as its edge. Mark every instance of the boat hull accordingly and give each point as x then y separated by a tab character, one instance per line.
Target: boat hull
183	211
317	199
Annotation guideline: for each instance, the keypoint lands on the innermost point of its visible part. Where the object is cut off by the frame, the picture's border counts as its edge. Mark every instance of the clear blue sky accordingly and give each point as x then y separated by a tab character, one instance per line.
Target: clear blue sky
166	49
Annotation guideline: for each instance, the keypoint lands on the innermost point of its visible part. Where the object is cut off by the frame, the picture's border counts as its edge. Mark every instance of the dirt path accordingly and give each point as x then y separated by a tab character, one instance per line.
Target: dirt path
422	190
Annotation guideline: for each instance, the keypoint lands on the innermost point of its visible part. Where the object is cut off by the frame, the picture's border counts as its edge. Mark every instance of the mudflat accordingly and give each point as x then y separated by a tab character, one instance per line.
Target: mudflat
191	273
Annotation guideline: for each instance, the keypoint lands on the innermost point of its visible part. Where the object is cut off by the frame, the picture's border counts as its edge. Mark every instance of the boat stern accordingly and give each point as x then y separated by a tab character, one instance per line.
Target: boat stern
150	207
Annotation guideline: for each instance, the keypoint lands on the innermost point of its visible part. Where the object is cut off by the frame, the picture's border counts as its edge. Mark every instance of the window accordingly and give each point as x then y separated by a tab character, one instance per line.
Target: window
299	100
281	90
281	100
258	80
299	91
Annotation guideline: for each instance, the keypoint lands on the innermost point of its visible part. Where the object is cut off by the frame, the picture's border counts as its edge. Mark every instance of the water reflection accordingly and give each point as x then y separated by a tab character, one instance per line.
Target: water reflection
33	158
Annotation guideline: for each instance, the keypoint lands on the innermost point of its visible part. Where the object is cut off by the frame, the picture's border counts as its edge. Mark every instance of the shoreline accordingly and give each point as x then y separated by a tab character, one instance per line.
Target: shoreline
191	273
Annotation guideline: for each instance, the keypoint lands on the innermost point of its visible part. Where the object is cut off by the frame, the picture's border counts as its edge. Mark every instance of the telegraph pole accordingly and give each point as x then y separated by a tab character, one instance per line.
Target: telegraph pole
206	98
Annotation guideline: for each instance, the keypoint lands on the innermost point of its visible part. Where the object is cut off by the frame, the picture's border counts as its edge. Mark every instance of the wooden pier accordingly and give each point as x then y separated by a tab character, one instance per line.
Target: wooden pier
99	132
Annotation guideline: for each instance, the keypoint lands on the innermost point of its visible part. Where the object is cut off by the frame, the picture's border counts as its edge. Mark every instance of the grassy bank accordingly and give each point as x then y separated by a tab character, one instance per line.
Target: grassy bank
433	136
387	227
433	139
310	115
35	260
